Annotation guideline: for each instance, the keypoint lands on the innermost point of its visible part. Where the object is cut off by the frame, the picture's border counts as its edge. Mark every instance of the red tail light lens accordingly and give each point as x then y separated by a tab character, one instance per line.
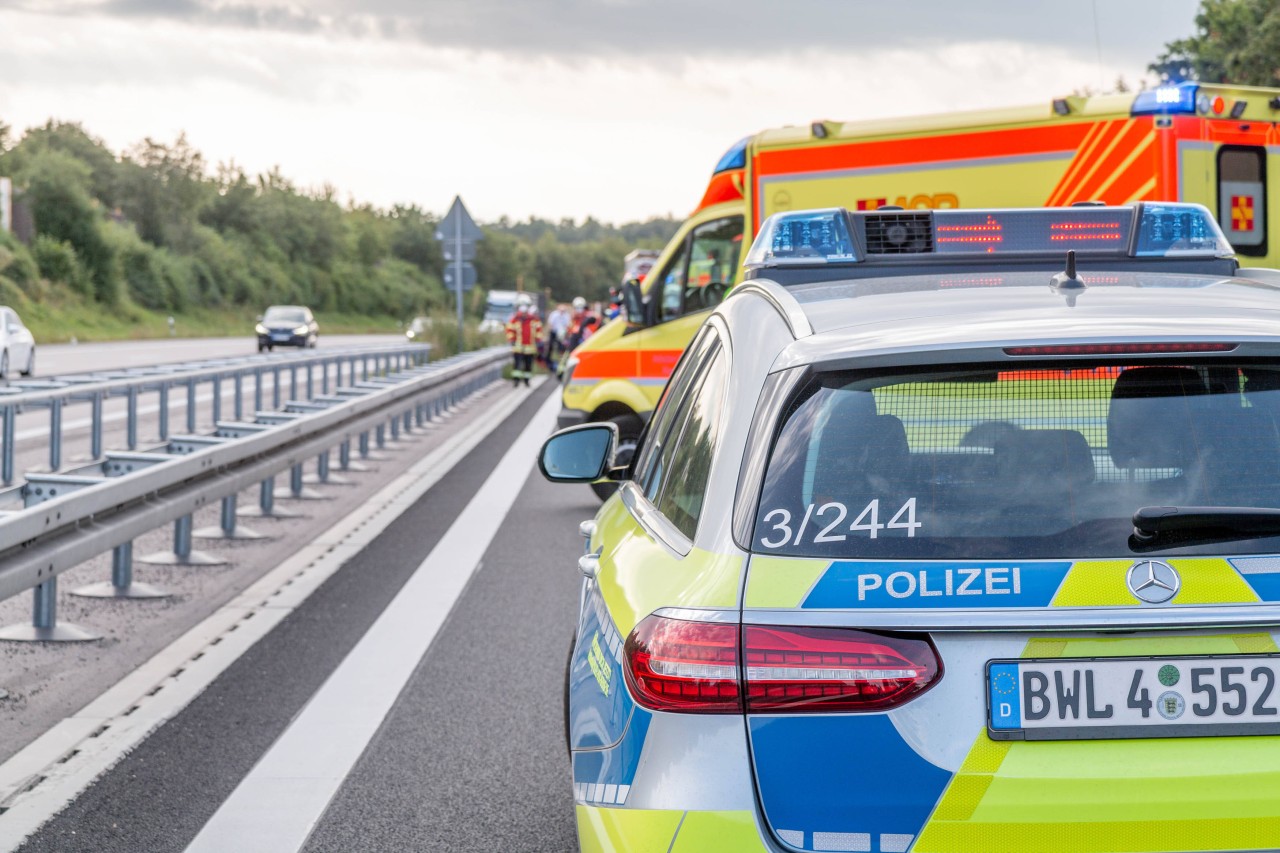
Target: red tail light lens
675	665
834	669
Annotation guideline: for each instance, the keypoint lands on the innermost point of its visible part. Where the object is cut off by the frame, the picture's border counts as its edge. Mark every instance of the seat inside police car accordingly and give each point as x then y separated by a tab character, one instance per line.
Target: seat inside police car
1151	418
1043	465
861	454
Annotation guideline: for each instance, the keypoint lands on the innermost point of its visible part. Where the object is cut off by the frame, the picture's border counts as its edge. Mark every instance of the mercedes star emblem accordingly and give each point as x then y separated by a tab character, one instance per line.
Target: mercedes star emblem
1153	581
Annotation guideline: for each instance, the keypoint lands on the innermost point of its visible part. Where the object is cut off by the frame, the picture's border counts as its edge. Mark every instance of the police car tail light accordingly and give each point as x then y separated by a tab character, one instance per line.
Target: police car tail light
677	665
834	669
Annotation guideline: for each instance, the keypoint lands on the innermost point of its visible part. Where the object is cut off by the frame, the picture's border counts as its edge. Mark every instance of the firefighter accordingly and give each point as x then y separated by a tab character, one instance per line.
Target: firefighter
523	330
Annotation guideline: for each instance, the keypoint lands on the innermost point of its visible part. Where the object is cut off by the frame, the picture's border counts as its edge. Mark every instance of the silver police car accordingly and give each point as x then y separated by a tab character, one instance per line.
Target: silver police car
953	531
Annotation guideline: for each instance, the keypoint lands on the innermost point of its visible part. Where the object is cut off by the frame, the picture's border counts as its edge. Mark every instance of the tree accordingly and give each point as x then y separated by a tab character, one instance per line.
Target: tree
1236	41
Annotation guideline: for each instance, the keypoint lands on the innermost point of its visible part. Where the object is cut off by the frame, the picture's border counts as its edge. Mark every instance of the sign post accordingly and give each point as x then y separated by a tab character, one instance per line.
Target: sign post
459	233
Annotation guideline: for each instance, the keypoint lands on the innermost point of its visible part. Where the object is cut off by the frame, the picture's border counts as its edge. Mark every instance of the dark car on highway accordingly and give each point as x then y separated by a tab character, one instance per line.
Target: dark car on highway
287	326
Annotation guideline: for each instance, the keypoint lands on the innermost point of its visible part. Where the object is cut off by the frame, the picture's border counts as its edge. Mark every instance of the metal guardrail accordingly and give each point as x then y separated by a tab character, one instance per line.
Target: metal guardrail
72	517
320	369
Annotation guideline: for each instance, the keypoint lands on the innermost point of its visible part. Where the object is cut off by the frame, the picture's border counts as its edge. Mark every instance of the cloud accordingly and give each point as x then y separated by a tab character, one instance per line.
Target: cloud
663	32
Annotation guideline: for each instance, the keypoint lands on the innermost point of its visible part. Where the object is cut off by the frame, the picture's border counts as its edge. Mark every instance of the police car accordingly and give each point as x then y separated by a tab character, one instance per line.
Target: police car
954	530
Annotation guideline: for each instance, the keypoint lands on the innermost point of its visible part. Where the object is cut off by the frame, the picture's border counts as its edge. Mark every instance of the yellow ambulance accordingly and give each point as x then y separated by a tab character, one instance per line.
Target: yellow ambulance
1216	145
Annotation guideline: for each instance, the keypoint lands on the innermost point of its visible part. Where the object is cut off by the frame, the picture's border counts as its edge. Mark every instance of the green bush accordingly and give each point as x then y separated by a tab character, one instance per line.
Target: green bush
57	261
17	263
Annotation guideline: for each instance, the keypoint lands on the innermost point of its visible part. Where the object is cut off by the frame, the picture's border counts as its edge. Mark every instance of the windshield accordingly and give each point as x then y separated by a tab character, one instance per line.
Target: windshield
285	315
983	463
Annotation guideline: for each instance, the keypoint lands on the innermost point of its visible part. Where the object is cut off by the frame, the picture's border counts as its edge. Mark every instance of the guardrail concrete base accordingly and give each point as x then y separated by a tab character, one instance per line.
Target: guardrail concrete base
44	627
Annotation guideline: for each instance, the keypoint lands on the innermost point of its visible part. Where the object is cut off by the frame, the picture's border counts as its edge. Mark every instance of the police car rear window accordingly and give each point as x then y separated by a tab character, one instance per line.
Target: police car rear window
985	461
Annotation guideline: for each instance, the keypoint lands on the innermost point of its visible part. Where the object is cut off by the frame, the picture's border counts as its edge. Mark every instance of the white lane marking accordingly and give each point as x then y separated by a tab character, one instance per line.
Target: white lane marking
275	807
43	778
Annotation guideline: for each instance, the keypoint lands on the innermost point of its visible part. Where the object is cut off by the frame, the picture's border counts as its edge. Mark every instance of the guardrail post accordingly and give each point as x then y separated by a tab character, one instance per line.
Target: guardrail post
122	584
216	382
257	389
293	382
191	405
275	387
364	445
10	417
164	411
226	527
380	435
44	625
266	507
324	376
297	489
95	428
239	396
395	427
131	418
182	553
311	391
55	434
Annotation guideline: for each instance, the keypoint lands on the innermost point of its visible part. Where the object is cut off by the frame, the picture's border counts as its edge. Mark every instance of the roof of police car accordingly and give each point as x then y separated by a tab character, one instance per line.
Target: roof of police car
973	308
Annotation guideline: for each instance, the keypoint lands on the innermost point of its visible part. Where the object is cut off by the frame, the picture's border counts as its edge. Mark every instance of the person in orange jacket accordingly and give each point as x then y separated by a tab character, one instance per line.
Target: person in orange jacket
523	331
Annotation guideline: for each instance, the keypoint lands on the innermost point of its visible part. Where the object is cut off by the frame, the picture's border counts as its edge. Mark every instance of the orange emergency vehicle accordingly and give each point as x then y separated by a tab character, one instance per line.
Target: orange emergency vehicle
1216	145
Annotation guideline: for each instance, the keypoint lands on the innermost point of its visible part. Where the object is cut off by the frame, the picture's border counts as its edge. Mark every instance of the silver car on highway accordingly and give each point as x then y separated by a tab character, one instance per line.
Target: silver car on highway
17	345
954	530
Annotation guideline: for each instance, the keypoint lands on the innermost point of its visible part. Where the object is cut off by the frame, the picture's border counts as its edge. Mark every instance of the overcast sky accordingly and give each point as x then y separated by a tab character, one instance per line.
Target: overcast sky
556	108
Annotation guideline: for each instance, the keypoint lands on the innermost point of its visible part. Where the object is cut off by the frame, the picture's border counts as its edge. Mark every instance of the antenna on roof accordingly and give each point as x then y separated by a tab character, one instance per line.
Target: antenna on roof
1067	283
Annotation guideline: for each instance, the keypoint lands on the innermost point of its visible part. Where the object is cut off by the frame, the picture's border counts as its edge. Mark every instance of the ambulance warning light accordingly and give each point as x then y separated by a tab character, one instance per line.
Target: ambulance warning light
1166	100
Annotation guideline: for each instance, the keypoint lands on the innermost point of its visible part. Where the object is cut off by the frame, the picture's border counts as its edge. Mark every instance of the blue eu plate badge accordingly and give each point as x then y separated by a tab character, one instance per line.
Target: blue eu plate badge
1002	692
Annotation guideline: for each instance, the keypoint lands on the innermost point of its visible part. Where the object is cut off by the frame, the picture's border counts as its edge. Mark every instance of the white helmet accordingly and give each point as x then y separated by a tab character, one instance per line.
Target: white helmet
523	299
579	303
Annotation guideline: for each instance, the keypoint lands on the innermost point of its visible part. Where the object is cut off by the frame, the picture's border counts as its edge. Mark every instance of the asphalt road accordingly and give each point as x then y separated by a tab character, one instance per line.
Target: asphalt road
471	754
53	359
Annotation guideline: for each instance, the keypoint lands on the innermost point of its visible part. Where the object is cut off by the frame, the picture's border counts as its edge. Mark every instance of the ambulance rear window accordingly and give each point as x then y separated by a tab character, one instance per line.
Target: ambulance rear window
987	462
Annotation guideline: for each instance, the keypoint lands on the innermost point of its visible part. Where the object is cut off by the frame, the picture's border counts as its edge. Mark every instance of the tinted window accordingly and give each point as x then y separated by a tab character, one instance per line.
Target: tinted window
981	463
673	396
689	467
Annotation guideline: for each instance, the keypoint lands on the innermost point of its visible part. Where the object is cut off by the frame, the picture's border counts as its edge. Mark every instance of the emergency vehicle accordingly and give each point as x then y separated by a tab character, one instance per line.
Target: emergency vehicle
1215	145
953	531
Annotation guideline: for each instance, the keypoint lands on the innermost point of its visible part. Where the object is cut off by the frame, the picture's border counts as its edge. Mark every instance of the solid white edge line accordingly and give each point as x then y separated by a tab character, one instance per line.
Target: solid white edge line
277	805
44	777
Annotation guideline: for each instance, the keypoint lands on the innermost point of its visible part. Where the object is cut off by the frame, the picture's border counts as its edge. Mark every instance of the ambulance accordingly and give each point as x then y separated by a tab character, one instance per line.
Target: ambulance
1214	145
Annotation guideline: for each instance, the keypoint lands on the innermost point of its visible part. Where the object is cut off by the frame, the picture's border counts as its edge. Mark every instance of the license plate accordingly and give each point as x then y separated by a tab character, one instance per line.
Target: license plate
1083	699
280	336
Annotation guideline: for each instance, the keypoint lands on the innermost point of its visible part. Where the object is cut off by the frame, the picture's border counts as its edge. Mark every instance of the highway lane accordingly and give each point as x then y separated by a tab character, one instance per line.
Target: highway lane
53	359
469	757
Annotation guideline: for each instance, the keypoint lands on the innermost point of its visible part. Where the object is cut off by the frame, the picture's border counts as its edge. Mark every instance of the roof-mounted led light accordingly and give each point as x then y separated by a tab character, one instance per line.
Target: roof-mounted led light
1173	99
803	237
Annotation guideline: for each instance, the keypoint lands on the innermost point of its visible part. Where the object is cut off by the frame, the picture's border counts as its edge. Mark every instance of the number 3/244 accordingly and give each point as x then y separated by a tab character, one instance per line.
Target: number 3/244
827	522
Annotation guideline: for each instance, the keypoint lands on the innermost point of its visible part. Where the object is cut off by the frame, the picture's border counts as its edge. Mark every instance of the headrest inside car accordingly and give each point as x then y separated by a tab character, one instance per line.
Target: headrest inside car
1150	420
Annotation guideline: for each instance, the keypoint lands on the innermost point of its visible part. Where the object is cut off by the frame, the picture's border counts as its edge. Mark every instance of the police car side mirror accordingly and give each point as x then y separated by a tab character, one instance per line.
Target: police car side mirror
579	454
633	300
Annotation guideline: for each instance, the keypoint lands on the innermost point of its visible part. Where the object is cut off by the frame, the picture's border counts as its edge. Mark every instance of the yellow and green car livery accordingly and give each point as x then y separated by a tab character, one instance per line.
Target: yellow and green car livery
953	531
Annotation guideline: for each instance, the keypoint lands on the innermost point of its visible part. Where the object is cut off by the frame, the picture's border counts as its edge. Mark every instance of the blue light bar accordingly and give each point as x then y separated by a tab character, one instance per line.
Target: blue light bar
1179	99
838	236
804	237
734	158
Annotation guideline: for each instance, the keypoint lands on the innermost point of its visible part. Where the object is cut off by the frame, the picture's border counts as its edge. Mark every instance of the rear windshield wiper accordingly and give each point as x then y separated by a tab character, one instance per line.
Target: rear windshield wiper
1164	526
